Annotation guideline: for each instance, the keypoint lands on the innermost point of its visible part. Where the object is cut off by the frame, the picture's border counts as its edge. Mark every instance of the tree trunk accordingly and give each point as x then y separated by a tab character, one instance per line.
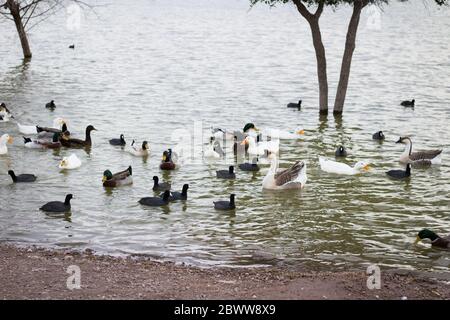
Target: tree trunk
321	66
15	12
347	58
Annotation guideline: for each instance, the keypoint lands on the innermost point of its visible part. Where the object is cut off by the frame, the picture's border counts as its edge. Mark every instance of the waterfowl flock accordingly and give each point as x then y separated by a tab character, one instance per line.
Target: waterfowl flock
260	146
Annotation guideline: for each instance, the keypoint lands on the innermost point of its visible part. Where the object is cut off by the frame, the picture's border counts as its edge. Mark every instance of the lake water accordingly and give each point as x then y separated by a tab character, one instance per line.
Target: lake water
149	68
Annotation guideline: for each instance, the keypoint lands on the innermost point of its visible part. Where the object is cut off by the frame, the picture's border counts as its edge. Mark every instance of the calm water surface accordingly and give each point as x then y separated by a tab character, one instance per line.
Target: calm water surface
149	68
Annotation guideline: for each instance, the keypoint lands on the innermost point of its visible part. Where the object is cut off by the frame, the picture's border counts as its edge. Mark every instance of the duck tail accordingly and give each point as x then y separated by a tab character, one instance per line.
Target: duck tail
39	129
26	140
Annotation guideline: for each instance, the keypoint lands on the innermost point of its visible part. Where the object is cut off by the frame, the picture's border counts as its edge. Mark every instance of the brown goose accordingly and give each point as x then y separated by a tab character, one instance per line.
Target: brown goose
420	157
66	141
291	178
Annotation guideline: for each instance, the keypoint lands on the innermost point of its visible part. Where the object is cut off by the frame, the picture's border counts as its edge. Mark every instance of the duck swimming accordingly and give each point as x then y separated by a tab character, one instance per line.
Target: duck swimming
156	201
21	177
51	105
408	103
163	186
5	139
211	152
118	142
4	111
41	144
378	136
340	152
226	174
57	206
291	178
78	143
253	167
342	168
142	151
6	117
167	162
430	156
225	205
297	105
285	135
175	195
118	179
436	241
70	163
400	174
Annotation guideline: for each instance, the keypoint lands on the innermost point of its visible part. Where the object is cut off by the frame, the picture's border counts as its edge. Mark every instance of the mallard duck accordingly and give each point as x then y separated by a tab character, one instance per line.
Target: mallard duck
436	241
41	144
285	135
163	186
69	163
57	206
175	195
430	156
78	143
5	139
226	174
167	162
340	152
21	177
156	201
291	178
225	205
342	168
378	136
400	174
51	105
408	103
142	151
118	179
297	105
118	142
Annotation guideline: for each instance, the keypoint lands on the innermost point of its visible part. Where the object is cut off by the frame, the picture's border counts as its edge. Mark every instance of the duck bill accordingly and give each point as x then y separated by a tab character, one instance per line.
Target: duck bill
243	143
164	158
301	132
104	179
417	240
10	140
366	167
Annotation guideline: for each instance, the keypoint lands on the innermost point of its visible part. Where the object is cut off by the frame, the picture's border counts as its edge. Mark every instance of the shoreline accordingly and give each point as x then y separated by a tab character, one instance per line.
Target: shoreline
37	273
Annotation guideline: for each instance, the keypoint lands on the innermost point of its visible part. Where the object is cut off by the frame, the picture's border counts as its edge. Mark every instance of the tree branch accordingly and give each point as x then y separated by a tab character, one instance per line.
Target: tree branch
303	10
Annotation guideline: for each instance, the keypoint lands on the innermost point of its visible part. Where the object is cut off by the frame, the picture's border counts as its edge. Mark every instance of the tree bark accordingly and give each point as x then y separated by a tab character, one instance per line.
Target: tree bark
347	57
15	12
313	20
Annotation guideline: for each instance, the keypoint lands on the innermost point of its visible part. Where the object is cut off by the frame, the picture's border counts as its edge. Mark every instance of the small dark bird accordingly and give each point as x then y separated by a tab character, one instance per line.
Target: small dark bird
408	103
72	46
226	174
66	141
164	186
51	105
175	195
21	177
167	162
378	136
118	142
225	205
340	152
400	174
57	206
436	241
297	105
156	201
249	167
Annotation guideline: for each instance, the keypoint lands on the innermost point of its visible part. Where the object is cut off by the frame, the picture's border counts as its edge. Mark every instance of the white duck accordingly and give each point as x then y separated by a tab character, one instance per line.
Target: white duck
284	135
69	163
253	148
4	139
342	168
6	117
27	130
427	157
136	151
291	178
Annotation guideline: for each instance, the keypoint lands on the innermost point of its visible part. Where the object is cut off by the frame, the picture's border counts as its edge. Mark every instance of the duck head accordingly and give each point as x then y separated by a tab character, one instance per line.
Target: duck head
231	169
300	131
155	180
90	128
361	165
107	175
122	138
144	145
250	126
404	140
426	234
68	198
13	175
6	138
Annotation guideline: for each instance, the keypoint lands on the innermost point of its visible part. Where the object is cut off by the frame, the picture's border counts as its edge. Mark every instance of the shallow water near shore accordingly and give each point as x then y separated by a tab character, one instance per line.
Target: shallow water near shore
149	68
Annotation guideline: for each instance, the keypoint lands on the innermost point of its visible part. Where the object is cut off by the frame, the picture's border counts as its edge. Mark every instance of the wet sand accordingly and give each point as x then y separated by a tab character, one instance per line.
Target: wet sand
36	273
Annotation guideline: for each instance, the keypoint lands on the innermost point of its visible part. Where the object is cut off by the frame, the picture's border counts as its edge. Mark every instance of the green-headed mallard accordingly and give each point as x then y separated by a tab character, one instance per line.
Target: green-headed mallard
436	241
118	179
167	161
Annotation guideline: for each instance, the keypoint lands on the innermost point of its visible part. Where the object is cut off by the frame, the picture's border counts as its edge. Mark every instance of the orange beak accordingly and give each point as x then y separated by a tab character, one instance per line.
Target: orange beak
301	131
10	140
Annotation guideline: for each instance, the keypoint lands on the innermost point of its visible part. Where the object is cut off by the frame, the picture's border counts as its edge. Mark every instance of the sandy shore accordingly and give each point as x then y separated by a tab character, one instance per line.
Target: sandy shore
35	273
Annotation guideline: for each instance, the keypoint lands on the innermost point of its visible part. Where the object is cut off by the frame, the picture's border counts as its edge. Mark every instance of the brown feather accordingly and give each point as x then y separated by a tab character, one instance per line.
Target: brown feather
288	175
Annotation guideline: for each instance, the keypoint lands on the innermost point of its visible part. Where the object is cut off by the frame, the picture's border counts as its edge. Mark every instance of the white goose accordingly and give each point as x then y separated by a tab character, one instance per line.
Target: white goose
69	163
284	135
291	178
28	130
342	168
421	157
4	139
253	148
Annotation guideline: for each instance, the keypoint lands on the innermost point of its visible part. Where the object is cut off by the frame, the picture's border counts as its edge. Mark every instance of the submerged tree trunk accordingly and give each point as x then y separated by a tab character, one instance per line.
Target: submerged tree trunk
15	12
313	20
348	55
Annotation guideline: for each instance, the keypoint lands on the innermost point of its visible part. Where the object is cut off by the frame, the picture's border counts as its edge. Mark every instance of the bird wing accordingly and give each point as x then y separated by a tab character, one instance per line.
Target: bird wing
121	175
424	155
288	175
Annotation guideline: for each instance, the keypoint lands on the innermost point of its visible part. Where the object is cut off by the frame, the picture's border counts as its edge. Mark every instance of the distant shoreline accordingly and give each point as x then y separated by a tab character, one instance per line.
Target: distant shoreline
36	273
